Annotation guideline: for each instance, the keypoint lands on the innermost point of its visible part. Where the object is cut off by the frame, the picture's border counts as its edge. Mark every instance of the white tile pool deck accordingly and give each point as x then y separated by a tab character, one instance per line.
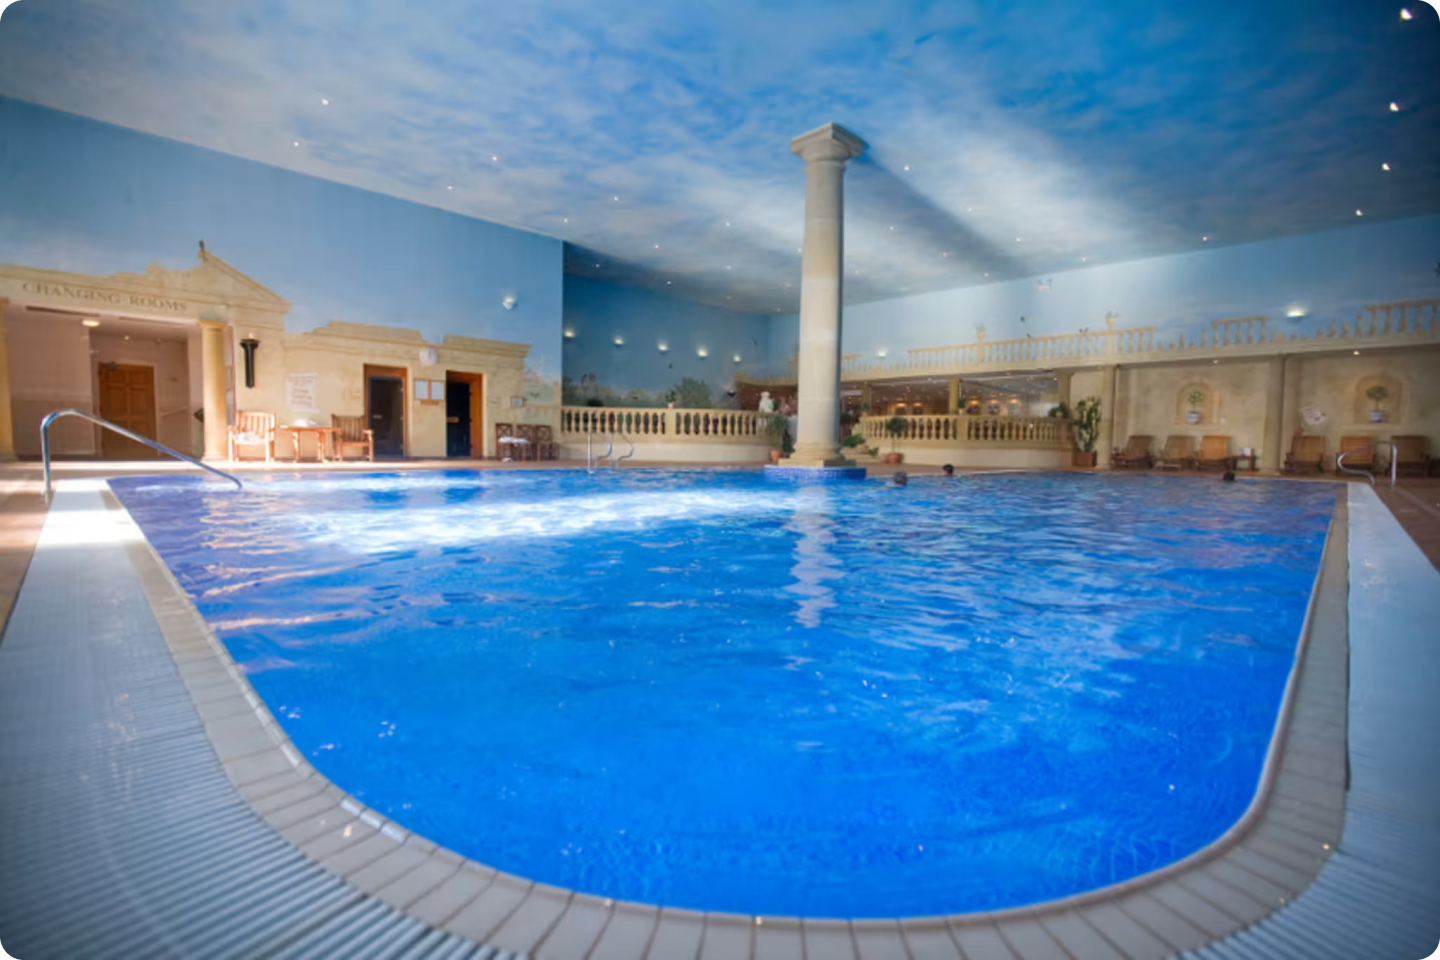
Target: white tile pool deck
149	805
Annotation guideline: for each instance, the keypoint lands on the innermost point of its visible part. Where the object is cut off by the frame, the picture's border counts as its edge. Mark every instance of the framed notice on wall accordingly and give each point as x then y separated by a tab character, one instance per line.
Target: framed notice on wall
430	391
302	391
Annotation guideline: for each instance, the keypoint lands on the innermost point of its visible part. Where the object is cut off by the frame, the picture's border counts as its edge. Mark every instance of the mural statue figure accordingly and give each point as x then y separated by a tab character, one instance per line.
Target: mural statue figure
766	404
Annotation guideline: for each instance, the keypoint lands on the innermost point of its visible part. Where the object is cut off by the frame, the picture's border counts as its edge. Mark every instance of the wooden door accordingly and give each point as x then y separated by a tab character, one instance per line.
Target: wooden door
464	414
385	396
127	399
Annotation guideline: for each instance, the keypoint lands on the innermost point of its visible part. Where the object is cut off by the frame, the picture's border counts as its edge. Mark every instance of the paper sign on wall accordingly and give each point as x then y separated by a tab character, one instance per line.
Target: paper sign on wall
302	391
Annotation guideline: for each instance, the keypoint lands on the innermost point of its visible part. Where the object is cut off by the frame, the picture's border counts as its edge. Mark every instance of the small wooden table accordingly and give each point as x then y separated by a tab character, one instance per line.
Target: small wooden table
324	436
1248	458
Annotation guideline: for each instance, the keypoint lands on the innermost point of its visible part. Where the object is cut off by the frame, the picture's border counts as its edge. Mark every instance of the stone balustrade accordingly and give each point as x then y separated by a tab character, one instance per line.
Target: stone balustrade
680	426
963	430
1392	324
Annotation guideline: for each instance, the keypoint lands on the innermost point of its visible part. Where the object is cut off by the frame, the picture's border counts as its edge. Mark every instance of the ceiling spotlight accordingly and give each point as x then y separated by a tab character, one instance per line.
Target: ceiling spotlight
892	228
1357	353
297	143
727	223
1405	14
1018	240
1394	107
667	283
1083	259
1359	213
90	323
736	358
662	346
619	341
944	253
569	334
702	352
1384	166
565	220
449	188
494	159
657	246
727	266
324	102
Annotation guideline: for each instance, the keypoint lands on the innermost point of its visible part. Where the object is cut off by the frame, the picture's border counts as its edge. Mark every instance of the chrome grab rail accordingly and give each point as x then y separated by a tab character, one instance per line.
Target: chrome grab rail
50	418
632	448
1341	468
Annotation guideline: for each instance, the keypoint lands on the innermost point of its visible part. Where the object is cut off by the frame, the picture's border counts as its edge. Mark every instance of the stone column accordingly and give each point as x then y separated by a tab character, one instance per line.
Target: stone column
7	425
212	366
824	151
1062	383
1107	416
1274	443
954	397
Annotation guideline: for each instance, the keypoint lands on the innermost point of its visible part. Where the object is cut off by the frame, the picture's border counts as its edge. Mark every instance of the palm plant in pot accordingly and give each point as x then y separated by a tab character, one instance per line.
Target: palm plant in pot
1377	396
896	427
777	427
1085	427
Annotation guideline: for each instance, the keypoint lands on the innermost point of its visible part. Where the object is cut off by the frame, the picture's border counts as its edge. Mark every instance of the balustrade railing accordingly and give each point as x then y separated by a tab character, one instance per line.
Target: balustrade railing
662	425
964	430
1383	324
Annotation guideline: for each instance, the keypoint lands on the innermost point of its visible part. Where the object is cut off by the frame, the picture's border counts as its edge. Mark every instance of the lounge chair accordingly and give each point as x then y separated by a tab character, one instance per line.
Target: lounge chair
352	435
1214	454
1411	453
1135	455
1306	453
1177	452
253	430
1358	454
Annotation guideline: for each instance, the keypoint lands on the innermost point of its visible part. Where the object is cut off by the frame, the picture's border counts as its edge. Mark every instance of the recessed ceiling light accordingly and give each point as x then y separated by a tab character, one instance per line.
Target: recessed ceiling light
987	274
616	199
90	323
1359	213
907	167
737	358
619	341
727	266
1384	166
565	220
449	188
1394	107
1083	259
667	283
727	223
597	264
1204	239
662	346
570	334
127	336
944	253
1405	14
494	159
324	102
657	246
1357	353
892	228
1018	240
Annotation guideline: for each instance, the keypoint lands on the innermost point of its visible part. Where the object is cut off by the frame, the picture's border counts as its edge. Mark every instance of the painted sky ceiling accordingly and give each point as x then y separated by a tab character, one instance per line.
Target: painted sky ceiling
1006	140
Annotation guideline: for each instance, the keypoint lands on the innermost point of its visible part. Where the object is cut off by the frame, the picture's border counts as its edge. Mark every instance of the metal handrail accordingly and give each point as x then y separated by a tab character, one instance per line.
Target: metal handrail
1341	468
632	448
86	415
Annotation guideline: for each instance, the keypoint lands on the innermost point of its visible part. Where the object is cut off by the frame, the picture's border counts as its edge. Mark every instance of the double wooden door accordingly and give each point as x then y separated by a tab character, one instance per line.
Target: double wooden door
127	399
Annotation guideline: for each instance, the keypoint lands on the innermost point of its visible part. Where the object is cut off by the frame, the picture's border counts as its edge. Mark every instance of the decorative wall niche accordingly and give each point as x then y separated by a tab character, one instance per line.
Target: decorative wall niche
1392	407
1208	406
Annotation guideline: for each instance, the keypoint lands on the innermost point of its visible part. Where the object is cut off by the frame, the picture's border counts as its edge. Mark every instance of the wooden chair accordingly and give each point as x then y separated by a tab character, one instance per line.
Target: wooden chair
1306	453
1135	455
1358	452
253	430
545	446
1411	453
1214	454
352	433
1177	453
505	446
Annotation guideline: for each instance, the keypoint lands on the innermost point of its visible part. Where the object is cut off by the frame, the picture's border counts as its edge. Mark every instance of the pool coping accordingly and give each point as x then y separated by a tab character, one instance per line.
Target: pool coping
1270	854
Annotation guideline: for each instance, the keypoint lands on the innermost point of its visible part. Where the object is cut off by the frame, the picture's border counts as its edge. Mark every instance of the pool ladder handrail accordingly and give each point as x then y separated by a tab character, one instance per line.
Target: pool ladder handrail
628	455
1341	468
590	459
50	418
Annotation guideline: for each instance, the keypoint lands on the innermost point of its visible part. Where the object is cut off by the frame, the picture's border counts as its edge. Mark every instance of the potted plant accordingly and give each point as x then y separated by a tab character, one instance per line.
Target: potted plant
1085	426
1377	395
1194	398
670	398
896	427
777	427
853	443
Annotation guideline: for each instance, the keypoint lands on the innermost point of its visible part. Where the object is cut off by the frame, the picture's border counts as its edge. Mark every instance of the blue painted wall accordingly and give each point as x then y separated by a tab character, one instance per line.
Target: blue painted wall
1330	276
88	197
597	312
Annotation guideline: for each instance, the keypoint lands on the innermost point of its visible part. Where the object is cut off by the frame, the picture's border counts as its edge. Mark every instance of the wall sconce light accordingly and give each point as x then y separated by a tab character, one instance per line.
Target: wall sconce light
702	352
90	323
508	303
737	358
662	346
619	341
249	344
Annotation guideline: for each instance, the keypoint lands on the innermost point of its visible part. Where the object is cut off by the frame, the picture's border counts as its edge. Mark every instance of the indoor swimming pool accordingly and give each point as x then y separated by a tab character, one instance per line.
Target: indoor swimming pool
711	690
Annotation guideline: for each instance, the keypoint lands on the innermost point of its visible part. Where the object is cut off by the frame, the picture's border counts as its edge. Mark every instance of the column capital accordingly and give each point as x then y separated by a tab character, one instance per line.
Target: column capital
830	142
212	324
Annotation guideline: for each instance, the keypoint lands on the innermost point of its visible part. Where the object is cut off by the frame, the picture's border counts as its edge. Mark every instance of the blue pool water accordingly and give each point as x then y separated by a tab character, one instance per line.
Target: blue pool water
716	691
